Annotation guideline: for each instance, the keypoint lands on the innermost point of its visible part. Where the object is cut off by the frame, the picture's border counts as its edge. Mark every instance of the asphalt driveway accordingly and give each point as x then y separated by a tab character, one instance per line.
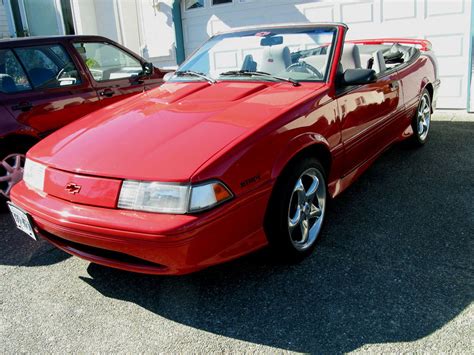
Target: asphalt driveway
393	272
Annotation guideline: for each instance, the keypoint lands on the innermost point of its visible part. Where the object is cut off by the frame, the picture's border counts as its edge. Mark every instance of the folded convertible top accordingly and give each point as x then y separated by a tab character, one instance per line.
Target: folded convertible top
423	44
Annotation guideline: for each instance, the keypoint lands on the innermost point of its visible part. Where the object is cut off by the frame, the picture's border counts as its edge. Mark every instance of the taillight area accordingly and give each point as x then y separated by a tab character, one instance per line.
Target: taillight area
82	189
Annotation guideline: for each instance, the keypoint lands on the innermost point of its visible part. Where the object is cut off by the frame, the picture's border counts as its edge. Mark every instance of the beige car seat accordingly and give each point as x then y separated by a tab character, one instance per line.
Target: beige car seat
379	62
319	61
350	58
275	59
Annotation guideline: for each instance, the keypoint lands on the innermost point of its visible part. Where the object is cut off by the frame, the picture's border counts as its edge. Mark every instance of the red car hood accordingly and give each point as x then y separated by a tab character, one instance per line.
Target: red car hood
166	134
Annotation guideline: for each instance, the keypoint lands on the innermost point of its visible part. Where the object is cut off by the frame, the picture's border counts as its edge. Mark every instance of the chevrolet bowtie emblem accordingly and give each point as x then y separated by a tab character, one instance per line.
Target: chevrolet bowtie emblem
73	188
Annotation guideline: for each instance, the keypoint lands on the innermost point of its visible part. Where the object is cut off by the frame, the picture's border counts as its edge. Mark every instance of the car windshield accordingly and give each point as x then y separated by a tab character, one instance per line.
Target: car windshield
292	54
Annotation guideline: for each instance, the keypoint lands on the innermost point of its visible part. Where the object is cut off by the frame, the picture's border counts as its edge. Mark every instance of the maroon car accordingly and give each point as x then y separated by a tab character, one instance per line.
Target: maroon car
46	83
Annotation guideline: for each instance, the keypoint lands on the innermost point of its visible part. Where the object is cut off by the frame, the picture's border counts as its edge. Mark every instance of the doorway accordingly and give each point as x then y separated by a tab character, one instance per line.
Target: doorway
42	17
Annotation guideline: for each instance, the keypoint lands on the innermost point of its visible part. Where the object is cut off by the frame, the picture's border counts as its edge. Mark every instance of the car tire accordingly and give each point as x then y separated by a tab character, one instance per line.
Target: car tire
296	210
422	120
12	161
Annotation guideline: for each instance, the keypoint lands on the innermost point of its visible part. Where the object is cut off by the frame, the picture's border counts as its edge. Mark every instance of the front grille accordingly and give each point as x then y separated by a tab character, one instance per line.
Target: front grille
99	252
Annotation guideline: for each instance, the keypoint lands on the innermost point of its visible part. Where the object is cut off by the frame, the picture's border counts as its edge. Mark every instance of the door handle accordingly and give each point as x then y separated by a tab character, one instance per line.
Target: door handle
394	85
23	106
107	93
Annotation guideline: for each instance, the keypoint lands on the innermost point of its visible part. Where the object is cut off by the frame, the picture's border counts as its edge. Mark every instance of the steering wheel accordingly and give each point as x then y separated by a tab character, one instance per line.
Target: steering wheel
60	79
304	67
60	73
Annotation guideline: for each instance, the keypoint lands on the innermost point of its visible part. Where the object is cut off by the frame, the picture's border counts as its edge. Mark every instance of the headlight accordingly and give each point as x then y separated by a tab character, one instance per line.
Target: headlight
208	195
171	198
33	175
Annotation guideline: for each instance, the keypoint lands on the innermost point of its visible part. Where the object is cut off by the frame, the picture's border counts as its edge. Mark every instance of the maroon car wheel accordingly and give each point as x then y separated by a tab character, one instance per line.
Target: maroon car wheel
11	173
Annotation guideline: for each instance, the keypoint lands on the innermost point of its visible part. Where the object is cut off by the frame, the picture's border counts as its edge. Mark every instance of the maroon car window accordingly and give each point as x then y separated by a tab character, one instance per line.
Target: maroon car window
12	75
48	66
107	62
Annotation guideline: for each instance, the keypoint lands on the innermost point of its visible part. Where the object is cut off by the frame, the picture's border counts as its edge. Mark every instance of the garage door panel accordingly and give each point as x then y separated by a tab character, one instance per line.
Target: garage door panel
395	10
443	8
320	14
357	12
451	66
225	60
452	86
448	45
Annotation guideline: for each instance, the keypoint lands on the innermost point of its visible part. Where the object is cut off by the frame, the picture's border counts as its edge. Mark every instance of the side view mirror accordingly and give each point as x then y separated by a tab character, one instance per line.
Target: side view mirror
148	68
359	76
168	76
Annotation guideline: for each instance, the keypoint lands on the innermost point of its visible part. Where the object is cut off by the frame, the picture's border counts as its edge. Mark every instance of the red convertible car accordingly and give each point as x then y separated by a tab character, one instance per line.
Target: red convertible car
241	148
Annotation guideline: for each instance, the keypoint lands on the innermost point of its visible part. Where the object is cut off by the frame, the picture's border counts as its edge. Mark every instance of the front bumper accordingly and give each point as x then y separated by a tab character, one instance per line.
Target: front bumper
149	242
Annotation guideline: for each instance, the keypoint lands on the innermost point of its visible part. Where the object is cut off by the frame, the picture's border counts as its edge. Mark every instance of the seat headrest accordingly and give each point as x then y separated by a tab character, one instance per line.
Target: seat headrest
350	58
379	62
7	84
249	64
275	59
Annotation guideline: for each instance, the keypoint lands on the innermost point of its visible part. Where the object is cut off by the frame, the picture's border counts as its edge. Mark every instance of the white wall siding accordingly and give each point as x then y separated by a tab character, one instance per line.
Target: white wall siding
97	18
144	26
4	30
158	35
85	20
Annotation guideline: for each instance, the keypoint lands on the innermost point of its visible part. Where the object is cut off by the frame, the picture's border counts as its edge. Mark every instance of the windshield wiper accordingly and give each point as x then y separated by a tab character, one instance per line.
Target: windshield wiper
259	73
195	73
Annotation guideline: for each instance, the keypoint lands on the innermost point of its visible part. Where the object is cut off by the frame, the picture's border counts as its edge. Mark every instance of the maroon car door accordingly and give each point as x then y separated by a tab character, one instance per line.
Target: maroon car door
116	73
367	112
45	89
7	123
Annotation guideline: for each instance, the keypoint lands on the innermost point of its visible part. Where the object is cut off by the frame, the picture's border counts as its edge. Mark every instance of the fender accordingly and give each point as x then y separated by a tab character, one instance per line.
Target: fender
431	75
425	81
413	104
294	147
435	84
9	125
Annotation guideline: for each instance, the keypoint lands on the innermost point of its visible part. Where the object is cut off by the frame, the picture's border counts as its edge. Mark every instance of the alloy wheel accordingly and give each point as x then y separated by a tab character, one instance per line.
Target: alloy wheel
11	172
423	117
307	209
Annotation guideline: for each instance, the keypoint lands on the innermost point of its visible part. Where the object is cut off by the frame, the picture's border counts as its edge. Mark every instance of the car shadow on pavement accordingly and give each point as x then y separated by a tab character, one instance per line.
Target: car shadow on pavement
394	263
16	248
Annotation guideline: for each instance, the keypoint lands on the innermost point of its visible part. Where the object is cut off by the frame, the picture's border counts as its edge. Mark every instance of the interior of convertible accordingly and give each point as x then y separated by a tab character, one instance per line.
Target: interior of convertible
292	53
380	58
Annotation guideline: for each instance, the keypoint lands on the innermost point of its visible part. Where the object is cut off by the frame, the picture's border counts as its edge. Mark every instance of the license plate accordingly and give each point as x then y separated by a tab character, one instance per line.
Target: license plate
22	220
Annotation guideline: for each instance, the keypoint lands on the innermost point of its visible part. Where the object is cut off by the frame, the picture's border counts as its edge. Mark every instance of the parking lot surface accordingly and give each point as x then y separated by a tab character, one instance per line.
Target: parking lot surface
393	272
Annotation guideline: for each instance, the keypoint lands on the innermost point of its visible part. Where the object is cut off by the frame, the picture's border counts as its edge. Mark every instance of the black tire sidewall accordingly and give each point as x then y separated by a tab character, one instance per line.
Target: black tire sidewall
276	219
414	124
4	152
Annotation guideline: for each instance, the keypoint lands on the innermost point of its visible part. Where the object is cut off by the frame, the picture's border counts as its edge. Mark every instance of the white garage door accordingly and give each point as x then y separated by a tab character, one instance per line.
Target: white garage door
446	23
